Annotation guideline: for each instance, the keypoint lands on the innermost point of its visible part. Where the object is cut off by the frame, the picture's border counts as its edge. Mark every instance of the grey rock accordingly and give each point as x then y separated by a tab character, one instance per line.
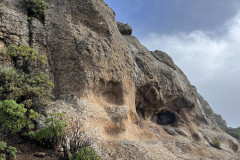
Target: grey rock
220	121
40	154
124	29
164	57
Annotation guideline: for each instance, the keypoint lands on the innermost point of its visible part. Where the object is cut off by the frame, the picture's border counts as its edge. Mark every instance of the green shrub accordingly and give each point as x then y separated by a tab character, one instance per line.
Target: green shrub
24	88
2	156
36	8
216	143
7	151
29	90
21	92
31	135
85	153
26	52
11	151
54	132
15	117
3	145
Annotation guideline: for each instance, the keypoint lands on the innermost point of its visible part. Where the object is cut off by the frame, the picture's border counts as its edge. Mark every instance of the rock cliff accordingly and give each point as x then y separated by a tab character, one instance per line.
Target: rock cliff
134	103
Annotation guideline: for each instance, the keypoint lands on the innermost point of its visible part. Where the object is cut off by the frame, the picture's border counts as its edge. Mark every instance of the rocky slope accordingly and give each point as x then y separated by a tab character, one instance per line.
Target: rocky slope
133	103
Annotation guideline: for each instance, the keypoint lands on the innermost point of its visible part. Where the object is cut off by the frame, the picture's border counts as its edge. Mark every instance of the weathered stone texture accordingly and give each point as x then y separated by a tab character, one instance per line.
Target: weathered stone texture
134	103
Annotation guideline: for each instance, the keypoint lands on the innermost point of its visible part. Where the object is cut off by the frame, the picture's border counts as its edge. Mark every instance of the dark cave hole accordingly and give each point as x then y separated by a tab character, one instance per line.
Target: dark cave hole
140	112
165	118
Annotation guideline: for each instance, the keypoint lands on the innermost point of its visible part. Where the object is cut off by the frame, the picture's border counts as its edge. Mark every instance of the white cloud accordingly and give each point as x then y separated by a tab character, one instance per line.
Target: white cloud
211	61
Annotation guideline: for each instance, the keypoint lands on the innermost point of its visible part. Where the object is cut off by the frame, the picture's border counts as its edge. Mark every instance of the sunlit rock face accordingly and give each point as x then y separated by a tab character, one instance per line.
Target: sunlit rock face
133	103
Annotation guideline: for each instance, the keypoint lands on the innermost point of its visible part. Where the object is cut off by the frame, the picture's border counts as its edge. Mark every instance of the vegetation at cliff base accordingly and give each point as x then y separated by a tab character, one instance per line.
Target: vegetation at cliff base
21	93
15	117
54	131
85	153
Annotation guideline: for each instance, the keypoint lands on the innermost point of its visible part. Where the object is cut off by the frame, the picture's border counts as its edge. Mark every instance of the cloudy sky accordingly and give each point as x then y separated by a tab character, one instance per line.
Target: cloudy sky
202	37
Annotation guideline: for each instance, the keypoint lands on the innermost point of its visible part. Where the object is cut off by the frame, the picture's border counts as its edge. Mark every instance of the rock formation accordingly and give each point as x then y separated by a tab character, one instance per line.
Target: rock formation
124	29
133	103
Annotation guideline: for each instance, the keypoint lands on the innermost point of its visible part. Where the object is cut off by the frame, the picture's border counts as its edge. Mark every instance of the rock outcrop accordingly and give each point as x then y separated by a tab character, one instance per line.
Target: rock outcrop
221	122
133	103
124	29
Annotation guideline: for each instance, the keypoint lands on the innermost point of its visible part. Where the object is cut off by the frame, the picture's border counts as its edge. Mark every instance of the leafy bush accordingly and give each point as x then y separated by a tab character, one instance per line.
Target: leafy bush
54	131
11	151
24	88
28	90
26	52
2	156
21	92
36	8
216	142
7	151
85	153
15	117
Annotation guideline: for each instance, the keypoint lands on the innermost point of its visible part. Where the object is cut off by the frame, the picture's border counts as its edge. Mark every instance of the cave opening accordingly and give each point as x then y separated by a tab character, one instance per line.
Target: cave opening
165	117
140	112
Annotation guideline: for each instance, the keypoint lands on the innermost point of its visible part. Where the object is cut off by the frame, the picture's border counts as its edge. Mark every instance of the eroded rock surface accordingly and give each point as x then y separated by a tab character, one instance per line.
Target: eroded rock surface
134	103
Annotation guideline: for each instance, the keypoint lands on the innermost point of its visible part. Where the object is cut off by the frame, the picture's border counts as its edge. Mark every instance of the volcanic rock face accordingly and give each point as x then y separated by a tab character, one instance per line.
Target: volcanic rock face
134	104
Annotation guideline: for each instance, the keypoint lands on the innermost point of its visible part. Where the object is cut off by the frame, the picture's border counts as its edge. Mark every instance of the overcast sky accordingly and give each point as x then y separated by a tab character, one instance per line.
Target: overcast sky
202	37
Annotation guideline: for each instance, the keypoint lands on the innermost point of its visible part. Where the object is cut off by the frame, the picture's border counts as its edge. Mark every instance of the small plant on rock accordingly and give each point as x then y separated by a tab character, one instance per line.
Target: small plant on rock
216	143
